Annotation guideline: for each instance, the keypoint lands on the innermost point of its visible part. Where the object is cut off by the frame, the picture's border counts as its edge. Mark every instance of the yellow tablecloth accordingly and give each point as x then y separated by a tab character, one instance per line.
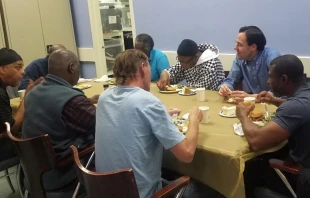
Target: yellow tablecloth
220	156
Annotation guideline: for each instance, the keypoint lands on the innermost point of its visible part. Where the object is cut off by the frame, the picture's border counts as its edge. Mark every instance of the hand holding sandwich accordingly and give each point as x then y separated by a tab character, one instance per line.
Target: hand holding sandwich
242	110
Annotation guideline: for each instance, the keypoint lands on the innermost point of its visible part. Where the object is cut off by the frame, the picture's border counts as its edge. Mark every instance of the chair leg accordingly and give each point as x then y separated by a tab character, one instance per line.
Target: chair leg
26	194
78	185
180	193
287	184
9	180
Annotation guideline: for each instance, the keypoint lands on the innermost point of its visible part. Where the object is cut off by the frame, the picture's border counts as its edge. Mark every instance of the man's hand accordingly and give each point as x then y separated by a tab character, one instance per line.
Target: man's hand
266	97
32	84
195	115
163	80
224	90
239	95
173	111
94	99
242	111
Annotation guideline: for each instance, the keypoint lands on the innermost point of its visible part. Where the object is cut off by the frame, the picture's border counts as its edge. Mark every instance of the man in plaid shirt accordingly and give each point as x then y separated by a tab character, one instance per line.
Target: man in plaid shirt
197	64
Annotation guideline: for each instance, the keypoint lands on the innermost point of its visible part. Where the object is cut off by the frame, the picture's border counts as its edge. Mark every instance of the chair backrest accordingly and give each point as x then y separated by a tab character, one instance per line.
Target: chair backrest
116	184
37	156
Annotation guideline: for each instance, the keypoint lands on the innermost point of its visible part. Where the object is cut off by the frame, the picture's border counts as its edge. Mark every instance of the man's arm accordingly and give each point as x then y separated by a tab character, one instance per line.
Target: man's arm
162	64
265	137
18	117
172	75
183	147
31	73
266	97
79	115
175	73
234	77
185	150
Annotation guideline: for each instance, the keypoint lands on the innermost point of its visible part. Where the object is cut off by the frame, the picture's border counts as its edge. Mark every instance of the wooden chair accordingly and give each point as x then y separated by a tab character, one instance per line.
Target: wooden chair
6	164
279	165
120	183
37	156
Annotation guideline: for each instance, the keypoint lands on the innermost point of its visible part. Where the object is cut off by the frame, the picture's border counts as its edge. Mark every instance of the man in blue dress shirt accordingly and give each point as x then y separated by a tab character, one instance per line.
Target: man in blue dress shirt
157	59
250	66
38	68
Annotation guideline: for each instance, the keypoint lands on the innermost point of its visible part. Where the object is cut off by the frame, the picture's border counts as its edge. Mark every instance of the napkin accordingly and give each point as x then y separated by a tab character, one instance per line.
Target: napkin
103	78
238	129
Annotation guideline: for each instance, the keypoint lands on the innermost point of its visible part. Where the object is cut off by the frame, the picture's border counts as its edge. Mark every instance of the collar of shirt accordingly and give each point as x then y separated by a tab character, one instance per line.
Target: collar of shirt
255	61
152	54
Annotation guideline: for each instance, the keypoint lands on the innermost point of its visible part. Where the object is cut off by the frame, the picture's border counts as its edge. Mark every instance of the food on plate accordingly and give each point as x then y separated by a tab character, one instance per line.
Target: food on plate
230	100
229	111
256	115
271	115
181	124
83	86
185	90
112	81
169	88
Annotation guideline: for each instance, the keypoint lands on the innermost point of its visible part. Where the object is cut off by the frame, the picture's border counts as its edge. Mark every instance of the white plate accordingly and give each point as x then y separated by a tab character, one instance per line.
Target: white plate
83	86
223	115
168	92
185	116
192	93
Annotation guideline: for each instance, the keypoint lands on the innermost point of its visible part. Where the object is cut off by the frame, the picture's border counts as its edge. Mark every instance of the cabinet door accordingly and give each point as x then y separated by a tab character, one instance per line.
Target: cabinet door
57	24
23	28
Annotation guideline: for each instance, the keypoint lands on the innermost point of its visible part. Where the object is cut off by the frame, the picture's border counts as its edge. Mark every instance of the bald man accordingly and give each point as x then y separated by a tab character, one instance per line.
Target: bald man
64	113
38	68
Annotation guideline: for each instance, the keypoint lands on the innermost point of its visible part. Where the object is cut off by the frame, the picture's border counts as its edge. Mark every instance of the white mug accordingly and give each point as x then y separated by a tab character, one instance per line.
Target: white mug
201	94
21	93
205	113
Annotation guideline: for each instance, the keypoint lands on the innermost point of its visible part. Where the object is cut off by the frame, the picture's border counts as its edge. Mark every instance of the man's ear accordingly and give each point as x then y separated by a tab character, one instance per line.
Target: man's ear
284	79
70	68
2	69
254	47
142	68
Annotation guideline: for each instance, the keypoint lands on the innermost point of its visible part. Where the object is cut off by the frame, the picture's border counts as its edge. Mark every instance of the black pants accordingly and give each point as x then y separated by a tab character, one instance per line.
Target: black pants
7	150
258	173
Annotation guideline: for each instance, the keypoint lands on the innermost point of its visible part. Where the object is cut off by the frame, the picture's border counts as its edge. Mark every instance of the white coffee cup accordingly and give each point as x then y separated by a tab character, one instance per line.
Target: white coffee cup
21	93
201	94
249	100
205	113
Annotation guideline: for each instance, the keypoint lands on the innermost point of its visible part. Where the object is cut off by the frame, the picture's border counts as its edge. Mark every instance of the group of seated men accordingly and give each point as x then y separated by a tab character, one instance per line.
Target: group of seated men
53	106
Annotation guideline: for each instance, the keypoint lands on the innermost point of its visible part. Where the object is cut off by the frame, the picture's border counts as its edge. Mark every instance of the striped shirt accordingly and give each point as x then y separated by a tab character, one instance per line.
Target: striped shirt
79	115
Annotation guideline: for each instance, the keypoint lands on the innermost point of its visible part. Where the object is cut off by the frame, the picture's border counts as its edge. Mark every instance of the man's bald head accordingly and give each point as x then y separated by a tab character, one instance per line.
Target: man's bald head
55	48
64	64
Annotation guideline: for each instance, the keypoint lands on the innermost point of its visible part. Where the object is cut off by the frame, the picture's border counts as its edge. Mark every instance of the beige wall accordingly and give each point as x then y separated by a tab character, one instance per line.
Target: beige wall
33	24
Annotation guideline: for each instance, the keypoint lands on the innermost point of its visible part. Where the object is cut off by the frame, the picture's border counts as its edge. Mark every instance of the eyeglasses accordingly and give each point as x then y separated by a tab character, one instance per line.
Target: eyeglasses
182	62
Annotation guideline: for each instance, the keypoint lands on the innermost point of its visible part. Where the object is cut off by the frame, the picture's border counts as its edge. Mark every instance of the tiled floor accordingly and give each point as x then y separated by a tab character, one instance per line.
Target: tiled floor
5	190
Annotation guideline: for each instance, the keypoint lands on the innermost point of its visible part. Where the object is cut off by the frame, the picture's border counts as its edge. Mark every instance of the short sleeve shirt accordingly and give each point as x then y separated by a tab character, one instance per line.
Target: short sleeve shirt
294	116
132	128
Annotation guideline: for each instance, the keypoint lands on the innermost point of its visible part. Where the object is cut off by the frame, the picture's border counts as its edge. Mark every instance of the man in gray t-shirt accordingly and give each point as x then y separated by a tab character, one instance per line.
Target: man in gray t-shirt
292	118
133	126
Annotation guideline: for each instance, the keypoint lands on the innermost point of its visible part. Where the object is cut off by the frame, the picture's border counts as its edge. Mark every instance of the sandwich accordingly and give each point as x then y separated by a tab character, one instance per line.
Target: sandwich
186	91
169	88
256	115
